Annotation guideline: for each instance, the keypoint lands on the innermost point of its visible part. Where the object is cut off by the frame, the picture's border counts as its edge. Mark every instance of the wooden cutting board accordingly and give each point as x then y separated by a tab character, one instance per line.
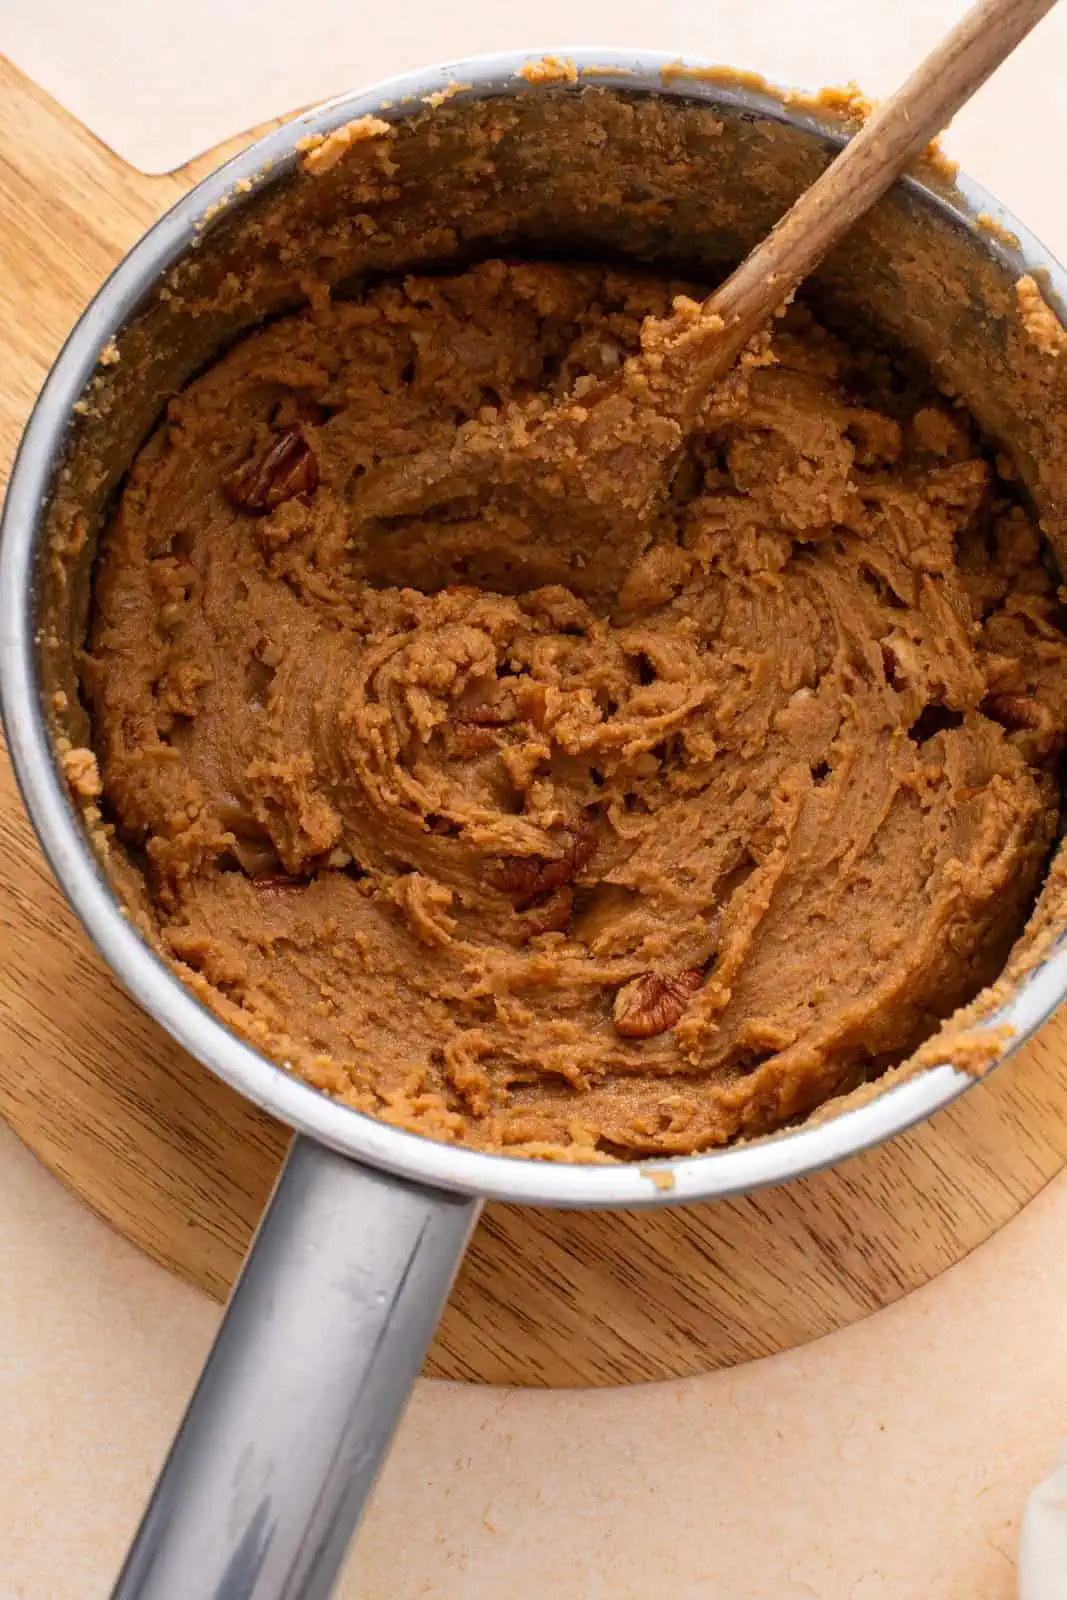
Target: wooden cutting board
183	1166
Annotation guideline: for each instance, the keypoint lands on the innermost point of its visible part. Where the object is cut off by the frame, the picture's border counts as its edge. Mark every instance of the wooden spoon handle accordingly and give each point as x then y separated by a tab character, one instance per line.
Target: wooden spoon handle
864	170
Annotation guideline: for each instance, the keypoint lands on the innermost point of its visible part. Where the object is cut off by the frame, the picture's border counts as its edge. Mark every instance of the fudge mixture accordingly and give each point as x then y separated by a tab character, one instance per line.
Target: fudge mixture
517	862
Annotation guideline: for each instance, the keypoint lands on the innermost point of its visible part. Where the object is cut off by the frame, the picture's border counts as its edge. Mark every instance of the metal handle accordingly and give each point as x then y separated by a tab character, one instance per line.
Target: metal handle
322	1340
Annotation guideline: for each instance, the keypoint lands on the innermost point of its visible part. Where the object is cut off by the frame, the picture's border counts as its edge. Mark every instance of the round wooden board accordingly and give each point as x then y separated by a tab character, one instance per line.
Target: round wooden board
183	1167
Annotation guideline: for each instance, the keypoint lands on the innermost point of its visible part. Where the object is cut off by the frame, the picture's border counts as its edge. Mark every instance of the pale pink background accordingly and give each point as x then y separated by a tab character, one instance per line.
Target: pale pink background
889	1462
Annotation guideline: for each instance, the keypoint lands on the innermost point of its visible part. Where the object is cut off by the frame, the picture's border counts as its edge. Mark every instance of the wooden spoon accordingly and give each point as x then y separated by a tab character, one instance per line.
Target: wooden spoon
586	478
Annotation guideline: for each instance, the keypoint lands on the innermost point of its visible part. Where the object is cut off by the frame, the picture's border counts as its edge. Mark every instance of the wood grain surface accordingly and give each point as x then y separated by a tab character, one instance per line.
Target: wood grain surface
182	1166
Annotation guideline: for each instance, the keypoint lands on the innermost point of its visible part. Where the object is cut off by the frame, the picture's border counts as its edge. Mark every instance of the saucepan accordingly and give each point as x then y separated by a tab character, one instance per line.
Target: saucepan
337	1302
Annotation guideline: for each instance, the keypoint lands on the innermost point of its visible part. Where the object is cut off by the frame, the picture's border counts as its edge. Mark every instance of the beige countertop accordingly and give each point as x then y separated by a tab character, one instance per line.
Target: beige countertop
887	1462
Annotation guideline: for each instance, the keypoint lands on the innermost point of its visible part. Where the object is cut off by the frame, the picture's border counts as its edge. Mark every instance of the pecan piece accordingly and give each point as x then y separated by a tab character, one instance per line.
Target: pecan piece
1014	712
549	916
653	1003
1019	713
520	876
288	468
507	702
471	734
527	877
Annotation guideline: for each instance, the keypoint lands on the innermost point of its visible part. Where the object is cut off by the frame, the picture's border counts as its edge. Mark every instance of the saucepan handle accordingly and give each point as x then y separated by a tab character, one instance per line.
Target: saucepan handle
319	1347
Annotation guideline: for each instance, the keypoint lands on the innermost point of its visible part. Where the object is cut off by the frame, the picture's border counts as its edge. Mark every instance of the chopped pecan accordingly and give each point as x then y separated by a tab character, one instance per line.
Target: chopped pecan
653	1003
1015	712
469	734
549	916
289	468
521	876
528	877
1024	714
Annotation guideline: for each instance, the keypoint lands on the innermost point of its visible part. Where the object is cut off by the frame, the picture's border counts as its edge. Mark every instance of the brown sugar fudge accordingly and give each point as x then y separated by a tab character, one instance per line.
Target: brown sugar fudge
575	876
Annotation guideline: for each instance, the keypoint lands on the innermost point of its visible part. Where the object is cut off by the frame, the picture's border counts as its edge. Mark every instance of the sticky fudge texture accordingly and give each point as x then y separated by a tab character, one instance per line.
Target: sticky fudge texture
576	880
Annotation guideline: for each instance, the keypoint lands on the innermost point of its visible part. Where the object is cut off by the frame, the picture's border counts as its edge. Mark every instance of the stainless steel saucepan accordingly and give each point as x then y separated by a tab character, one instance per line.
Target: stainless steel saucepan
329	1323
